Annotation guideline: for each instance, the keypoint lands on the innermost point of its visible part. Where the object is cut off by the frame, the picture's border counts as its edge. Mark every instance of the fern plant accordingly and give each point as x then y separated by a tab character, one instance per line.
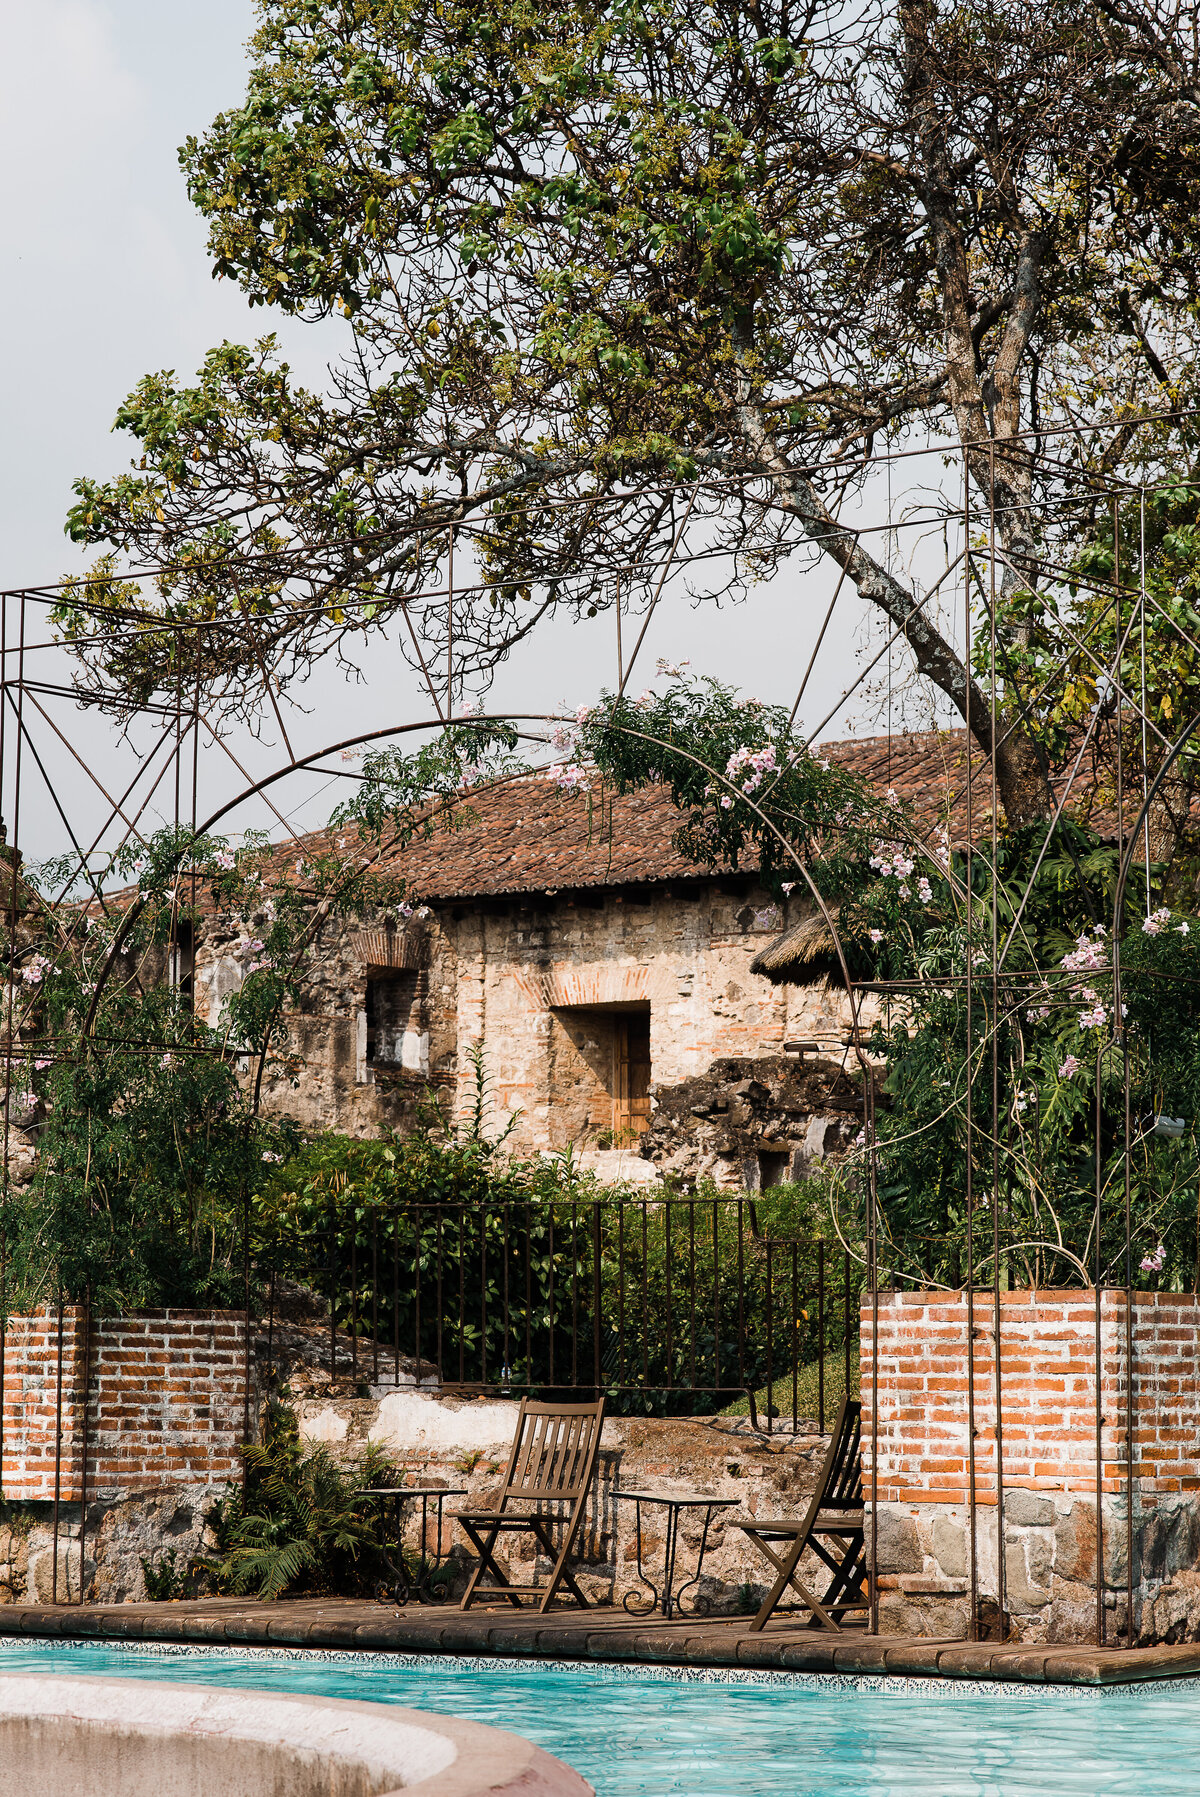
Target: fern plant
302	1523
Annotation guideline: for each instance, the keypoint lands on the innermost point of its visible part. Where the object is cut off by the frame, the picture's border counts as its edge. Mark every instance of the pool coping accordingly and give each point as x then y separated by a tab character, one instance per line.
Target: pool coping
595	1636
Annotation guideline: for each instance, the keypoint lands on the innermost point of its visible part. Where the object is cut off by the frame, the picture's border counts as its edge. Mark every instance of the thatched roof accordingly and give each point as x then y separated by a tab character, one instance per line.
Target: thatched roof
802	956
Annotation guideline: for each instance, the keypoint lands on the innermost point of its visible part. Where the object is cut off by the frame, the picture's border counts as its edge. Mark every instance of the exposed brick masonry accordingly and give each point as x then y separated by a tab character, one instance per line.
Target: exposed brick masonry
1048	1385
165	1402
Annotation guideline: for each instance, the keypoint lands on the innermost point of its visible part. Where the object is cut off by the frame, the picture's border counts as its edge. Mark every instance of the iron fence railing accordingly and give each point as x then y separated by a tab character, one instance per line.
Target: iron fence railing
671	1306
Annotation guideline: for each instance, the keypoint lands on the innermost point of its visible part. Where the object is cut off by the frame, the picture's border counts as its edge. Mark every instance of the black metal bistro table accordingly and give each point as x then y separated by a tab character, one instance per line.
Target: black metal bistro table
673	1502
433	1585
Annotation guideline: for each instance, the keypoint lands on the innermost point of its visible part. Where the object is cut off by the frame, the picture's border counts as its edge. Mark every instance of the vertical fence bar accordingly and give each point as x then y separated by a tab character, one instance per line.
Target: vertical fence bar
440	1303
57	1456
528	1293
550	1287
462	1296
483	1303
396	1305
507	1250
574	1293
597	1369
353	1297
332	1296
375	1296
669	1302
86	1433
770	1342
691	1214
846	1321
620	1291
645	1295
716	1241
821	1338
741	1301
795	1339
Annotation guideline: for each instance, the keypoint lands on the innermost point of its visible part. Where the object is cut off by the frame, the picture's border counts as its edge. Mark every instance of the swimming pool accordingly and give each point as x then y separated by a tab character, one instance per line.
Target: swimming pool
639	1733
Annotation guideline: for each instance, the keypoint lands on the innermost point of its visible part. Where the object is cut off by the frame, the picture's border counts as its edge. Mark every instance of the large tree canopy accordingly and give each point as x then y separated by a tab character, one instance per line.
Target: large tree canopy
593	254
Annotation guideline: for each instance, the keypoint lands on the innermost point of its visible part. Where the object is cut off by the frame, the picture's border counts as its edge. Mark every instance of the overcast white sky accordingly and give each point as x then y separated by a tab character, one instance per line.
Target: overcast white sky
105	278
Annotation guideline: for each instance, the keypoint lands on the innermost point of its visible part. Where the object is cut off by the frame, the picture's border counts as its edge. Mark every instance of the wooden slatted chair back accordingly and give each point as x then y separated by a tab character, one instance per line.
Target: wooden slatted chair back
553	1453
842	1482
839	1486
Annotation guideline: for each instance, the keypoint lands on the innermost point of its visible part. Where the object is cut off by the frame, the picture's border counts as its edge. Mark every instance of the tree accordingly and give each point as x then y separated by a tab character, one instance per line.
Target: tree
616	262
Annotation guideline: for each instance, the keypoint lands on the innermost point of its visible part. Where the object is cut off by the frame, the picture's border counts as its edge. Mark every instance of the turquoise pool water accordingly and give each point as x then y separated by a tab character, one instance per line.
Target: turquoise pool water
637	1735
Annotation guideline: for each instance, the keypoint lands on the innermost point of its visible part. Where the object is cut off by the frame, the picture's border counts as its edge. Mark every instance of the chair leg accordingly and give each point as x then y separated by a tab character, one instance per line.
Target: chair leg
486	1552
561	1574
787	1565
850	1570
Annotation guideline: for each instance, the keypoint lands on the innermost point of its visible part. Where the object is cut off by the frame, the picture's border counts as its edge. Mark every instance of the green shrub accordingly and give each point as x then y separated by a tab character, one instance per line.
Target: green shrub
302	1524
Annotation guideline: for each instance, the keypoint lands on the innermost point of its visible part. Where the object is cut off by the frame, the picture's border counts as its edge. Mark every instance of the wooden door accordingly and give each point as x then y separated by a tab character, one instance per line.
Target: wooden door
631	1081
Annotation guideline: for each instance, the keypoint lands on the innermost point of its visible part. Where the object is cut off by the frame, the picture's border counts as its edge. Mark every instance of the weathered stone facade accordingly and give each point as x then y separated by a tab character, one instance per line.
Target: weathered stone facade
598	980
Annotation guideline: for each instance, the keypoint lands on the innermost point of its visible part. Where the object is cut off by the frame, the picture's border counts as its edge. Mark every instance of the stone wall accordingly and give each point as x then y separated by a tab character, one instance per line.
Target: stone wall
1046	1452
539	980
463	1444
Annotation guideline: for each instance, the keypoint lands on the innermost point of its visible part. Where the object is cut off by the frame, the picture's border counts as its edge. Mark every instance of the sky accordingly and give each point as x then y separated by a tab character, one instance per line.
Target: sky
106	278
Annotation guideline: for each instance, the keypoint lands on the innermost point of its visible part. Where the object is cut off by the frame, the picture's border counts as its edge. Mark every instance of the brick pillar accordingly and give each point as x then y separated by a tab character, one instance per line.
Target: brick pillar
1050	1384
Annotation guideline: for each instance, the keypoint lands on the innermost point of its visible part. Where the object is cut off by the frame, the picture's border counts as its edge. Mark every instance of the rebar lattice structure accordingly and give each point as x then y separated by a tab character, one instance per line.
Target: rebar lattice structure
1087	692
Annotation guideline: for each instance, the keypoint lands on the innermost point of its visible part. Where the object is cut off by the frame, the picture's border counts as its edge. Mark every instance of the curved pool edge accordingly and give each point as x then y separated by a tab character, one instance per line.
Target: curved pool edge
60	1734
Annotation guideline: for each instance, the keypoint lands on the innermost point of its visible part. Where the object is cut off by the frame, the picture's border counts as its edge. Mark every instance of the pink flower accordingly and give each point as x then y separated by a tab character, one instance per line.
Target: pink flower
875	935
572	778
1069	1068
1156	920
726	802
924	890
1094	1019
224	860
1154	1263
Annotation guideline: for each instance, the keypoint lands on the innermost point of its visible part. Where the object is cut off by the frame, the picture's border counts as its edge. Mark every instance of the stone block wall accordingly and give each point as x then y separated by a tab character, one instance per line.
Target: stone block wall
164	1405
463	1444
1046	1452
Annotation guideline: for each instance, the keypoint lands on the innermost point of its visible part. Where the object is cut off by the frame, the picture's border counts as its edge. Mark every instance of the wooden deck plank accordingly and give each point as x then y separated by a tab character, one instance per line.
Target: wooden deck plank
597	1634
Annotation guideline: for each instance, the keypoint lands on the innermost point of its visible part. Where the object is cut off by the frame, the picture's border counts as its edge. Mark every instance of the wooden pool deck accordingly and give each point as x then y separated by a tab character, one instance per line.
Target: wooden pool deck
596	1634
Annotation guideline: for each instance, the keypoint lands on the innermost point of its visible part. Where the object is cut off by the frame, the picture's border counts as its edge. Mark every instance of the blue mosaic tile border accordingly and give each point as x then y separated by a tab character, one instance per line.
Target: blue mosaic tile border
933	1687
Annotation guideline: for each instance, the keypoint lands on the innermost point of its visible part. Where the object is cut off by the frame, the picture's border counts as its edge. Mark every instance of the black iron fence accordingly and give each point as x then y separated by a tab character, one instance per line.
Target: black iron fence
671	1306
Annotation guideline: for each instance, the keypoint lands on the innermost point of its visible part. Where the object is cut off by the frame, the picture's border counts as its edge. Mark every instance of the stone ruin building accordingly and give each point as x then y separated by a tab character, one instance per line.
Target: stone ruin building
649	1015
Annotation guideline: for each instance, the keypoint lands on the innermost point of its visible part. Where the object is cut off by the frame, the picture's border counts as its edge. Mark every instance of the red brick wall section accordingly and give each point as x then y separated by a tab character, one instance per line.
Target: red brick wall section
30	1404
1048	1393
165	1401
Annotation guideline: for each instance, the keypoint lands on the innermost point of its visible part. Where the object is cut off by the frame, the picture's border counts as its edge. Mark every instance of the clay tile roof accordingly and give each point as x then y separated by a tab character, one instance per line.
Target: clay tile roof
530	836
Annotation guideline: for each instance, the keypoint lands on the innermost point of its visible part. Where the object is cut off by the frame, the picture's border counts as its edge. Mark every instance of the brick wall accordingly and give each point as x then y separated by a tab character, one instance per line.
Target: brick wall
165	1402
1050	1389
1048	1393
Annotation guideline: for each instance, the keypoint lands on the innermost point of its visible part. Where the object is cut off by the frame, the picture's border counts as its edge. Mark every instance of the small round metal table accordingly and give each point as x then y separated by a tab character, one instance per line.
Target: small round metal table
669	1599
433	1583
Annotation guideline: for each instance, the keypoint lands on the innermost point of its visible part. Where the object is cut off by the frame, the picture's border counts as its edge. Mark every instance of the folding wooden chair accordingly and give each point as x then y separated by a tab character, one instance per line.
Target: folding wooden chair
552	1462
835	1515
